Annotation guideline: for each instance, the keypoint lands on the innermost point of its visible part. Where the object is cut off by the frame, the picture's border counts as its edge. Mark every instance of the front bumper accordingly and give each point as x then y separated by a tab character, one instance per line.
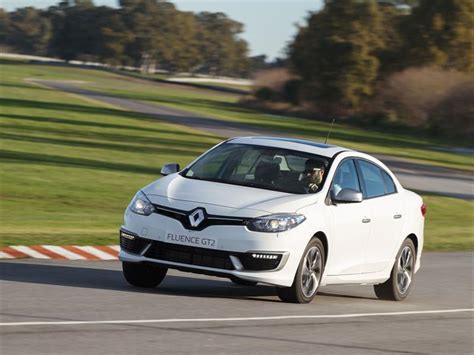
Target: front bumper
231	239
260	266
197	256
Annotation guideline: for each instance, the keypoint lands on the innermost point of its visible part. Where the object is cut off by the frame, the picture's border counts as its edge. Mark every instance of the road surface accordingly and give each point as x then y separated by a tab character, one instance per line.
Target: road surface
417	176
51	292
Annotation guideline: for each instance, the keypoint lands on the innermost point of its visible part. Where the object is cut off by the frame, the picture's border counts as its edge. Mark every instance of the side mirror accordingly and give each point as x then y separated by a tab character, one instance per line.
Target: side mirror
168	169
347	196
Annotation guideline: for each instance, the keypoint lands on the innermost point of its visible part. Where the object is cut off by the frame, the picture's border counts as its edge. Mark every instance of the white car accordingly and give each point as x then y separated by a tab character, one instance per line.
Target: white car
286	212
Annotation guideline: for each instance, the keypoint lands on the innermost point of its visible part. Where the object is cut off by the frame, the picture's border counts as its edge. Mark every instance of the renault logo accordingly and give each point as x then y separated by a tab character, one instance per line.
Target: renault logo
196	217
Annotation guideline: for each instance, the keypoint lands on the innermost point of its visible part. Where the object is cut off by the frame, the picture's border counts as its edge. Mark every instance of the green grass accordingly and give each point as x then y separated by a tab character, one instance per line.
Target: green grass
69	166
406	144
449	223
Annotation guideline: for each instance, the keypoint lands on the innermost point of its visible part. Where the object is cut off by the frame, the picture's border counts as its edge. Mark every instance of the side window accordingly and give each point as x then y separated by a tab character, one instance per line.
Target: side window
372	179
345	177
389	185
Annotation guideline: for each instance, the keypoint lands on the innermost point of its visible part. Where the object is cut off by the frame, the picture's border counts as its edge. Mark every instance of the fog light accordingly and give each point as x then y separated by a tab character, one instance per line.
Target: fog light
127	236
265	256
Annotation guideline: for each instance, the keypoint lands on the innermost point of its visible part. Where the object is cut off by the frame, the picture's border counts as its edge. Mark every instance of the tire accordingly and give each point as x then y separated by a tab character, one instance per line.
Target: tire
143	275
242	282
302	291
398	286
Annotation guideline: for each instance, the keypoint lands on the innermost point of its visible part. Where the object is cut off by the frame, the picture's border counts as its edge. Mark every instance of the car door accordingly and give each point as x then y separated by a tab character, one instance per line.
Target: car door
386	207
349	227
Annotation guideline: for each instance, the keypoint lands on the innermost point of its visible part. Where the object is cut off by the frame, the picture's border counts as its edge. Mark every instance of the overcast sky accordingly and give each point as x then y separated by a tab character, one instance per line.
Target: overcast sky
269	24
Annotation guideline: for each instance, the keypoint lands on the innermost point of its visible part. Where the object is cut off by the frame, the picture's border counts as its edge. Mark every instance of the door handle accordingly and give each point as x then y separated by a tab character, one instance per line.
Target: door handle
366	220
397	216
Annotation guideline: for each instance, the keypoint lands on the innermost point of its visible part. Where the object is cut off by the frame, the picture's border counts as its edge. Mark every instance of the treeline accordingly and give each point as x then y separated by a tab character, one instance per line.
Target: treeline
141	33
404	61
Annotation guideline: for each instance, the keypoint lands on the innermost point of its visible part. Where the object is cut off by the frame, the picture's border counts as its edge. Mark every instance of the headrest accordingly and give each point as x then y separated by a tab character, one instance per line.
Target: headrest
267	170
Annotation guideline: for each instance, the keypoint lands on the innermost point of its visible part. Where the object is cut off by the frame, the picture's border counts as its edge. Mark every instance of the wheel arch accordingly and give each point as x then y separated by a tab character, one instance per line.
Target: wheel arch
322	237
414	239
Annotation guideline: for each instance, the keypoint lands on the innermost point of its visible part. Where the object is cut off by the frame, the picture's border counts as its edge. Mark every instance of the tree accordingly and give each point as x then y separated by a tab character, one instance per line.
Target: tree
29	31
143	33
224	52
4	26
129	3
110	37
182	33
440	32
75	31
335	54
148	23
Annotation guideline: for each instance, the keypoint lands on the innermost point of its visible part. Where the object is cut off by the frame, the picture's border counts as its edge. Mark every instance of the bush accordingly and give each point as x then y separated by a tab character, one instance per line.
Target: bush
454	115
277	85
274	79
292	91
410	96
267	94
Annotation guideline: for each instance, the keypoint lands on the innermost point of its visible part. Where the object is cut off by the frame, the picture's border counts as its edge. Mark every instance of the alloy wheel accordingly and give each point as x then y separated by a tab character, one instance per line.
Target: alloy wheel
405	269
312	271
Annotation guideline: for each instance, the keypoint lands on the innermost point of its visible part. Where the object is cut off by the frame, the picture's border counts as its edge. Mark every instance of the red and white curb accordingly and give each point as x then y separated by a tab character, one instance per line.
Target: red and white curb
68	252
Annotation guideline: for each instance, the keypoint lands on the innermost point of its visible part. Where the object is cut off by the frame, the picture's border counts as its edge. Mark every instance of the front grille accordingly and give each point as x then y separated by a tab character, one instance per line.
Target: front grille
210	220
190	255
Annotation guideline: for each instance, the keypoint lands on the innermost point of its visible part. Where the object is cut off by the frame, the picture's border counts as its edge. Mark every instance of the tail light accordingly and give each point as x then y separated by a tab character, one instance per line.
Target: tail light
423	209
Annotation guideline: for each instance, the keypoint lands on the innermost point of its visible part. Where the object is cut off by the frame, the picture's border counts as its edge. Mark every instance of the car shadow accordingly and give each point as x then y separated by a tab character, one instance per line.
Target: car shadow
87	277
106	279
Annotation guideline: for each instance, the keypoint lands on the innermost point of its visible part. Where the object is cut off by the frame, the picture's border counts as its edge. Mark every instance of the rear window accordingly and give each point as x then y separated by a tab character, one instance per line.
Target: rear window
389	184
372	178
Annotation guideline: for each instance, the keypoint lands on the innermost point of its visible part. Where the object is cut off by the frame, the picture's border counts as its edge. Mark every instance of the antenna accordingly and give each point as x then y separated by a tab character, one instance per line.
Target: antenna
330	130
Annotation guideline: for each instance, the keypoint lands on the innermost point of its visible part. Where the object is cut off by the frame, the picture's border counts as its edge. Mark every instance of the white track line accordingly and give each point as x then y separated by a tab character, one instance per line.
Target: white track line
115	247
97	252
64	252
6	255
240	319
30	252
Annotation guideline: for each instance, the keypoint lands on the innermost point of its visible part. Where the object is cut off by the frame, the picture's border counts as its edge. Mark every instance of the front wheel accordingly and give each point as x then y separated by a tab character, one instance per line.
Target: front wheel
308	276
143	275
397	287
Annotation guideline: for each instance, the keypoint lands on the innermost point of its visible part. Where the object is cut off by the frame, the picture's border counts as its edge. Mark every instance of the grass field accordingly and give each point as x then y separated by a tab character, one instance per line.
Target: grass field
71	165
408	145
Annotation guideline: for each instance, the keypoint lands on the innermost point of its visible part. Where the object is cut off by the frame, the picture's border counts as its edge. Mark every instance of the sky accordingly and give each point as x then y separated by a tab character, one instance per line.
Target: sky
269	24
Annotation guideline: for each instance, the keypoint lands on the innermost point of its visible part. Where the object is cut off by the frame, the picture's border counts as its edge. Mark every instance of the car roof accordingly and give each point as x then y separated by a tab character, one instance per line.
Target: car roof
326	150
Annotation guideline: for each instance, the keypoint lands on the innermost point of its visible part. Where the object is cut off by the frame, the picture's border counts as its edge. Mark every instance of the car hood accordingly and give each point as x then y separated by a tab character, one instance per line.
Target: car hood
218	198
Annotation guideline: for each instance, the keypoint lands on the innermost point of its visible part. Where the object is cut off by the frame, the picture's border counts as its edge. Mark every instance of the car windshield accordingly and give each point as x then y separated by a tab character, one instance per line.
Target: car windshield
261	167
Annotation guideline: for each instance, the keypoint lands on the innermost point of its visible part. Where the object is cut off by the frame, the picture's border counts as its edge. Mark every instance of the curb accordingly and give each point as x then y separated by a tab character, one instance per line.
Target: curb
67	252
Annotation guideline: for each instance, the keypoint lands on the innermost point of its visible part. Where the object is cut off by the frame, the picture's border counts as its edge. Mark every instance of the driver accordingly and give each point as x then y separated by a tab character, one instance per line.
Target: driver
313	175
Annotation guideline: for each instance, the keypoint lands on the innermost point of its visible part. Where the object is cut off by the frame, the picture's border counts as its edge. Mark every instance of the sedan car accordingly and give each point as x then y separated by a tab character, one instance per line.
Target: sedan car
286	212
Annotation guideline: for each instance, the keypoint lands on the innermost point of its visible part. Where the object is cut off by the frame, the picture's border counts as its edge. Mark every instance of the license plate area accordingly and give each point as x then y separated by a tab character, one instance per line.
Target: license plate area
190	240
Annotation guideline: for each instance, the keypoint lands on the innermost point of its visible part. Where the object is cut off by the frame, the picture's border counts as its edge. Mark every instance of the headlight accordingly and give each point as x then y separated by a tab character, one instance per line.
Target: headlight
275	222
141	205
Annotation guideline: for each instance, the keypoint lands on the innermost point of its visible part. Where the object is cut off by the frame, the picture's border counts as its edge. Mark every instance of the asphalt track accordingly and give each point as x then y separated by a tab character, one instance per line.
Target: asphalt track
42	302
417	176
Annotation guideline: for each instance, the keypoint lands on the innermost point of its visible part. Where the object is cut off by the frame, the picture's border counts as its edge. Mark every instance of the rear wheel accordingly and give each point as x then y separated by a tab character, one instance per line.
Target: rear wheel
308	276
398	286
143	275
